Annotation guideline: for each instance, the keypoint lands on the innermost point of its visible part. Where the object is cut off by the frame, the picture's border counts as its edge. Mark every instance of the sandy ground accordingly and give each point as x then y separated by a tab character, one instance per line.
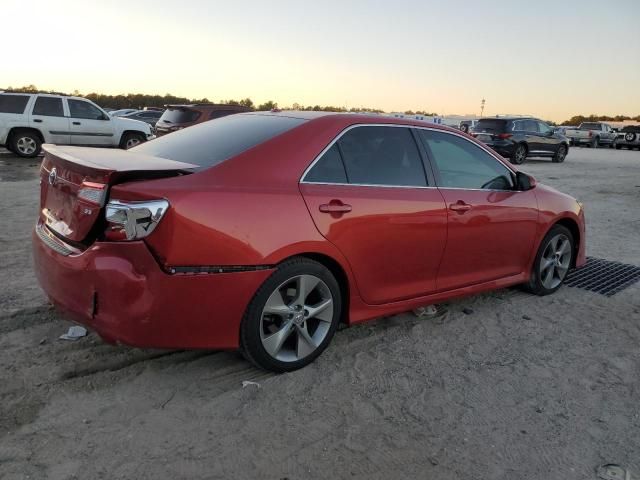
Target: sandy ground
520	388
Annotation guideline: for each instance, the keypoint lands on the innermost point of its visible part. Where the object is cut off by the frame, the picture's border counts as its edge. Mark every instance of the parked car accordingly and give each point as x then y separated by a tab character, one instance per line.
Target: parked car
149	116
177	117
29	120
467	125
592	134
263	231
519	138
122	112
628	137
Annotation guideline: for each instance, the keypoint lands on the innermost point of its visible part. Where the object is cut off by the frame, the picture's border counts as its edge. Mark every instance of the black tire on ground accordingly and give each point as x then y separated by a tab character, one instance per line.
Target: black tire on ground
519	155
560	154
535	284
251	343
465	128
131	139
595	143
25	143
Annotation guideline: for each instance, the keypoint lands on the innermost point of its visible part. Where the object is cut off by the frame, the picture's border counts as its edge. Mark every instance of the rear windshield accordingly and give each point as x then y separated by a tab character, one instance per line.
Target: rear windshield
590	126
210	143
490	125
179	115
13	103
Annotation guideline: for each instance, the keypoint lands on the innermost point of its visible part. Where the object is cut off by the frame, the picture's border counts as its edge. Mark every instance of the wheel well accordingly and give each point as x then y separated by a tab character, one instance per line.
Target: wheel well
338	272
127	132
572	226
15	130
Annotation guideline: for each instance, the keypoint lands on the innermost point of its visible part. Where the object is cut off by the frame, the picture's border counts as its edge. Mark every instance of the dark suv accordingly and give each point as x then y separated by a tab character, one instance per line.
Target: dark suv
177	117
517	138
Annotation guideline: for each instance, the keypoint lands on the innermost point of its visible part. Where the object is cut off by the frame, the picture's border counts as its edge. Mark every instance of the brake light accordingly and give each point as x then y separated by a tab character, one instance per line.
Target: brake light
590	134
93	192
504	136
133	220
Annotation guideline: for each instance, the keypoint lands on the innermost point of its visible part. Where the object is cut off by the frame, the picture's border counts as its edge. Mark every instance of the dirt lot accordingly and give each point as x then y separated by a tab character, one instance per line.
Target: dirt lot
520	387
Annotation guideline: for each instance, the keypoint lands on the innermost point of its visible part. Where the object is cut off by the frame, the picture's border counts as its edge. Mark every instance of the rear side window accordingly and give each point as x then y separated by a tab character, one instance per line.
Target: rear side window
462	164
179	115
328	169
13	103
48	107
590	126
210	143
382	156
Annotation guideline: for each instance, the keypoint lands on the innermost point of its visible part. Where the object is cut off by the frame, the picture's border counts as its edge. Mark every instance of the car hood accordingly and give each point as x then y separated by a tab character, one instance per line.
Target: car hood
130	124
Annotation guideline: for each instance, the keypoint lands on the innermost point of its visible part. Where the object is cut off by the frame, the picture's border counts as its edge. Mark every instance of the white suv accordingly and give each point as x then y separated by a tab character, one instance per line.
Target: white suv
29	120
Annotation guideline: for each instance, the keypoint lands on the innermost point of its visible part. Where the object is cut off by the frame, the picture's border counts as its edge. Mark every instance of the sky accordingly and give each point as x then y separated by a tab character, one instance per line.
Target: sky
538	57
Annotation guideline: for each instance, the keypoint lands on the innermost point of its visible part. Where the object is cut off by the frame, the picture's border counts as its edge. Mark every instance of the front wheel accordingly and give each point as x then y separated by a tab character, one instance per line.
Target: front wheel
552	261
292	317
131	139
561	154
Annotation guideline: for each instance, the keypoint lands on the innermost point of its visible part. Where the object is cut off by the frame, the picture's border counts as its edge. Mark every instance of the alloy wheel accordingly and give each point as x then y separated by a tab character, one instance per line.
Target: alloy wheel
555	261
520	155
26	145
296	318
132	142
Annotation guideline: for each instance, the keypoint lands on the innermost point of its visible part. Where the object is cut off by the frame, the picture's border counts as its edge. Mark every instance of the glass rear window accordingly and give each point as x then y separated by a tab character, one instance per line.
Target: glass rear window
179	115
13	103
590	126
210	143
490	125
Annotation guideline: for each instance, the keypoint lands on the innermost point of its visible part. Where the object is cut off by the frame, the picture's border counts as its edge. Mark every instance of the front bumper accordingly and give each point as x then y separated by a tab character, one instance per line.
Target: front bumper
119	290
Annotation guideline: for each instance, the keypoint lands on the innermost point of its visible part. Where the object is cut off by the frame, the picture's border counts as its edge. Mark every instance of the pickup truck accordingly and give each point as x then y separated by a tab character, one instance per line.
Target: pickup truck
29	120
592	134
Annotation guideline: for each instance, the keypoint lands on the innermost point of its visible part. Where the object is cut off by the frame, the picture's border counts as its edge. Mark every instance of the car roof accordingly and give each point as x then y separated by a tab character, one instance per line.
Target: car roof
209	106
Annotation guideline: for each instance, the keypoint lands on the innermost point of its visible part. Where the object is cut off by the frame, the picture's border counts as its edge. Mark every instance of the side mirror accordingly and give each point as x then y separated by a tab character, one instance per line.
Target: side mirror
524	182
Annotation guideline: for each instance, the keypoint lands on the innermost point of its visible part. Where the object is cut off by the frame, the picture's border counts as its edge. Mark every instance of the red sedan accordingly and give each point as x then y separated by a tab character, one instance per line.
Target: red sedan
264	231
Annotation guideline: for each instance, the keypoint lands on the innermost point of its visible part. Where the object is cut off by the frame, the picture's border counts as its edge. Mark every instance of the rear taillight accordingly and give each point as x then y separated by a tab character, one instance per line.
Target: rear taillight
133	220
93	192
504	136
590	134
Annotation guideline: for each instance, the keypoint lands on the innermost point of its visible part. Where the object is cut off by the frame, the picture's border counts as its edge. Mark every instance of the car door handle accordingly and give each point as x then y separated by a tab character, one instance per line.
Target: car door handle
460	207
335	206
76	123
37	120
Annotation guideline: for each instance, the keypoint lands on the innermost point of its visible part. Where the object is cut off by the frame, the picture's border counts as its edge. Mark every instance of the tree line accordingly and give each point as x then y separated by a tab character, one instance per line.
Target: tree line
578	119
139	100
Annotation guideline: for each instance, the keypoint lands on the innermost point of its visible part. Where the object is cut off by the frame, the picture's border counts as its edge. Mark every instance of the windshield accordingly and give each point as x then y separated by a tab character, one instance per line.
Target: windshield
210	143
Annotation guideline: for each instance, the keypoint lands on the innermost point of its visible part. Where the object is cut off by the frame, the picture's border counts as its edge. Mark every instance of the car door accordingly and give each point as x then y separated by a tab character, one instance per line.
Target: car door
549	142
491	226
48	116
532	134
369	196
89	124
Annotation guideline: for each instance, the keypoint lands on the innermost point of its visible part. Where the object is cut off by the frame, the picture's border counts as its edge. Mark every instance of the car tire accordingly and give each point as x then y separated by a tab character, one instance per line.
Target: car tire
560	154
131	139
25	143
552	262
519	155
595	143
292	317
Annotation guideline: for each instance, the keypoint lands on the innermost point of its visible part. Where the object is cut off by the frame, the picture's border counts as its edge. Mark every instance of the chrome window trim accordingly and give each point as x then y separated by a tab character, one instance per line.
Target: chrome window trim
397	125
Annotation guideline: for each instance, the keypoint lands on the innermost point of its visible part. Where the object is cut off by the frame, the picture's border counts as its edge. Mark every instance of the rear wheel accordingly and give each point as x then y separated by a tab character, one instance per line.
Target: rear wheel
292	317
25	143
519	155
561	154
595	143
552	261
131	139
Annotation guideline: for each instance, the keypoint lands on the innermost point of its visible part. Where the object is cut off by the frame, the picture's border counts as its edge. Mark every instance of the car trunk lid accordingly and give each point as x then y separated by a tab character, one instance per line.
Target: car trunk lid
74	184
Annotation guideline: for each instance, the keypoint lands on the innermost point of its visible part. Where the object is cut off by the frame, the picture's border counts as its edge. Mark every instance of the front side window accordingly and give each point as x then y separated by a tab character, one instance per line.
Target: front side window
462	164
382	155
82	109
13	103
544	128
48	107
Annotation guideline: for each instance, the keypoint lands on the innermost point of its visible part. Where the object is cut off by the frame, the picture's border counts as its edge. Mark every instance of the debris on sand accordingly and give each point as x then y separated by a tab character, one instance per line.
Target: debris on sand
467	311
426	311
74	333
246	383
